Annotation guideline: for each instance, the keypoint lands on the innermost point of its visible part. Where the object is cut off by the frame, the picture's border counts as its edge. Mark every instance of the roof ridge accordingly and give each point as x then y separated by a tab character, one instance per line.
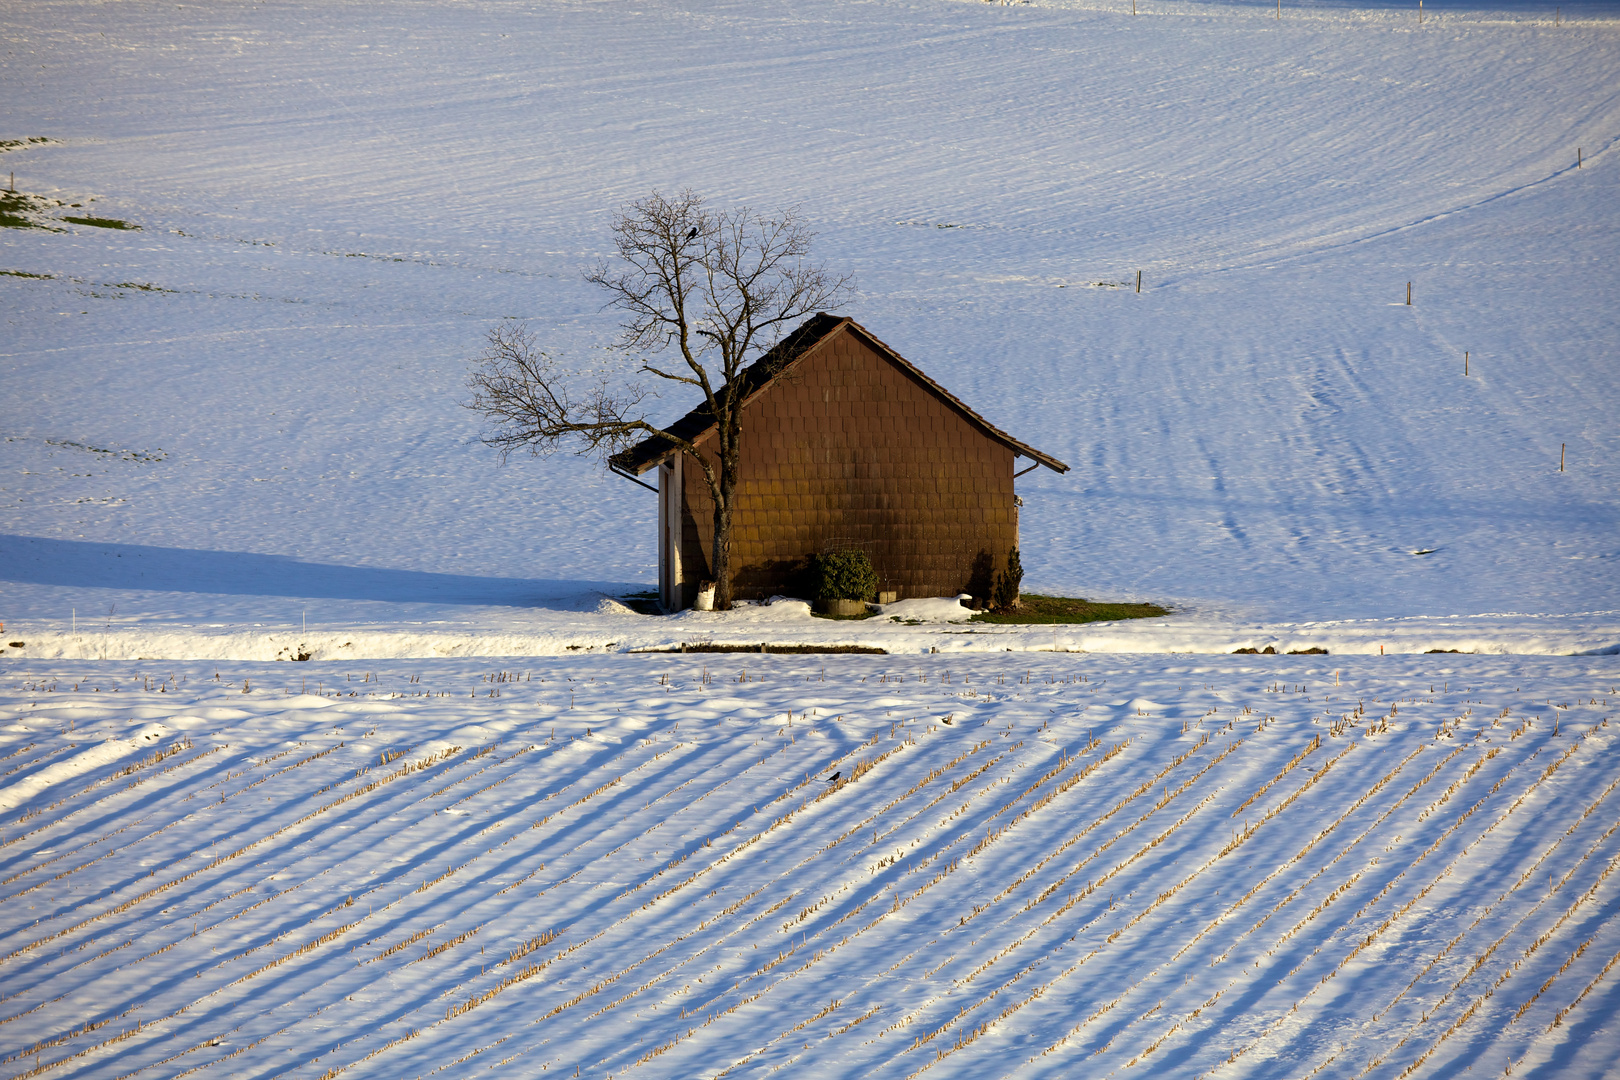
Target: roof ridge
758	376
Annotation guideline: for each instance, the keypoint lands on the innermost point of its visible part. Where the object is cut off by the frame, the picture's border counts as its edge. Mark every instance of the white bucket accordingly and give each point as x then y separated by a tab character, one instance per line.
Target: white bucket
705	596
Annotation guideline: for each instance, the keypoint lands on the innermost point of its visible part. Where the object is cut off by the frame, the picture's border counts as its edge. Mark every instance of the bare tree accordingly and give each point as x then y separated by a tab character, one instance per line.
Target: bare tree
705	293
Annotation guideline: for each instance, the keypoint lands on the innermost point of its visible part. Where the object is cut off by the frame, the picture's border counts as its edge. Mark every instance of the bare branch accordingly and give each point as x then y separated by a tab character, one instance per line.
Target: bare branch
527	398
671	376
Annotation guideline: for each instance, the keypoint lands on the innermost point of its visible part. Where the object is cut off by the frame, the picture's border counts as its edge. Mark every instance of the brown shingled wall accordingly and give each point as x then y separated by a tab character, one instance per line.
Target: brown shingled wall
847	445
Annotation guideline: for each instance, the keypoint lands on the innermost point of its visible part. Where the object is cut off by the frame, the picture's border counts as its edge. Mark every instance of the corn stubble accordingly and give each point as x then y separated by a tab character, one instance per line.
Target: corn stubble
1060	877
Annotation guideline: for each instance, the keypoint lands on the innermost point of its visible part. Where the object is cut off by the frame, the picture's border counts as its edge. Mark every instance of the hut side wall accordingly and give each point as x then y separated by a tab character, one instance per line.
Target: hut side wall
696	541
846	448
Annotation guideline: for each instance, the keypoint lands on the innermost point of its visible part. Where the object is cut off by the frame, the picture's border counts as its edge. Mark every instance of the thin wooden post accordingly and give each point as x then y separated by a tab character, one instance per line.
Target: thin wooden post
1279	10
1420	12
1408	294
1465	364
1577	159
1139	281
1561	457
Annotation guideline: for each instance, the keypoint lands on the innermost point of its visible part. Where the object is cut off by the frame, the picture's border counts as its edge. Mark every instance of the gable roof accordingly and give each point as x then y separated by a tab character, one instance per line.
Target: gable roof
755	378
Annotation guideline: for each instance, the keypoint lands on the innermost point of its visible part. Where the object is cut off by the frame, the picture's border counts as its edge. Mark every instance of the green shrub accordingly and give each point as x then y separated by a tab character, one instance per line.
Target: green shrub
843	575
100	222
1005	595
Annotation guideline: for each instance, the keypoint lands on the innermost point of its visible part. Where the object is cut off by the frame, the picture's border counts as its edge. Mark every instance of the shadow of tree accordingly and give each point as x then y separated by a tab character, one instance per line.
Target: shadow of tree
81	564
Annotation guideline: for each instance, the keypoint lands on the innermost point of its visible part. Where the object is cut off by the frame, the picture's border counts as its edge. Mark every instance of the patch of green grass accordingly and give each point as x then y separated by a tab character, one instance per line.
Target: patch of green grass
14	205
1033	608
142	456
12	144
144	286
26	274
843	618
100	222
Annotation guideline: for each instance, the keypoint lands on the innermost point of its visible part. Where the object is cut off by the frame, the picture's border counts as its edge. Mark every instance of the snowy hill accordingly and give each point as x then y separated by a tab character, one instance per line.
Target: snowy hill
245	413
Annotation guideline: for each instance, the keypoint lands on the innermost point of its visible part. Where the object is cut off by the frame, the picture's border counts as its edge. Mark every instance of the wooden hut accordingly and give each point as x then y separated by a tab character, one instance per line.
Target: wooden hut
845	444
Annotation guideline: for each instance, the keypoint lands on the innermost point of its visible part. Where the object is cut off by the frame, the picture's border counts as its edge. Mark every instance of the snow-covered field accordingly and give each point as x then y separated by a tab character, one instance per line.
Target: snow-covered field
970	866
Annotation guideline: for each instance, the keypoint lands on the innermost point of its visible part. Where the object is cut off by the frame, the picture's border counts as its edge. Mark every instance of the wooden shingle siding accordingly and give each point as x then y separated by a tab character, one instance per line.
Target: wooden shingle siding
846	446
845	443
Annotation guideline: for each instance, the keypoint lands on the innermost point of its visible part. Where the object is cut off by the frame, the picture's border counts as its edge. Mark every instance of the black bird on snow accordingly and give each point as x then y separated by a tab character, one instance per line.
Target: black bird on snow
835	776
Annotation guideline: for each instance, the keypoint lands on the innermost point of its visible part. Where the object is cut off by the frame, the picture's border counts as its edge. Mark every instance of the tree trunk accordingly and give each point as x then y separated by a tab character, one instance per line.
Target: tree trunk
722	543
730	454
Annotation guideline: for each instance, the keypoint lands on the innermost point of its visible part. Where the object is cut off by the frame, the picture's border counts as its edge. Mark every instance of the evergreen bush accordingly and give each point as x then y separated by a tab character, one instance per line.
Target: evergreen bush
843	575
1005	595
